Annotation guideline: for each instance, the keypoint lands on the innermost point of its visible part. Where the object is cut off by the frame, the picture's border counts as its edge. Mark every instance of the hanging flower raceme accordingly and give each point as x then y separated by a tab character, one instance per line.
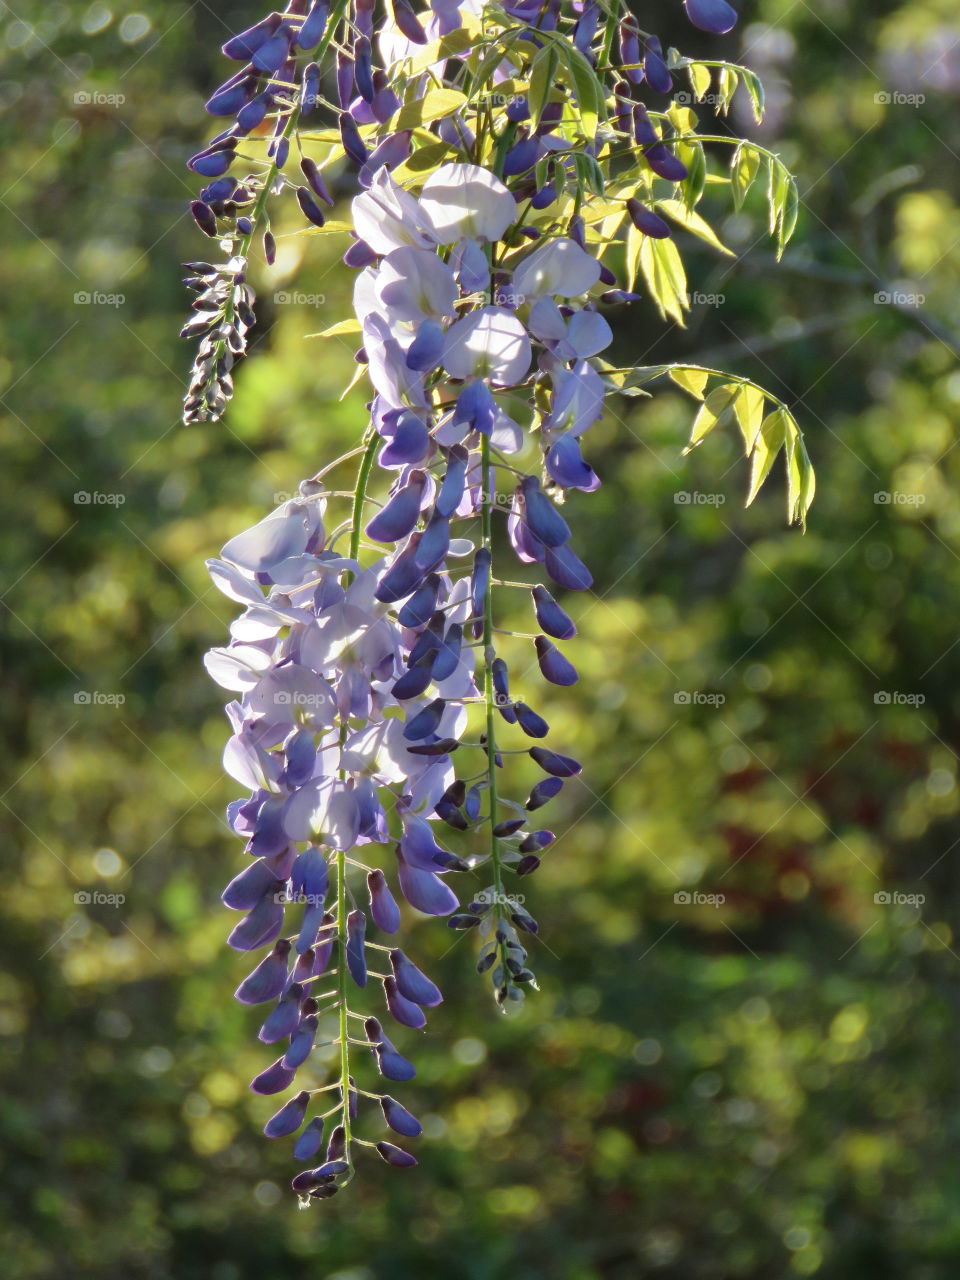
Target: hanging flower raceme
370	701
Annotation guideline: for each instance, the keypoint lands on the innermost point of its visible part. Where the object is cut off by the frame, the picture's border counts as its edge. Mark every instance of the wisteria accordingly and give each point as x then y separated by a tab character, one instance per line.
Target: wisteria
509	181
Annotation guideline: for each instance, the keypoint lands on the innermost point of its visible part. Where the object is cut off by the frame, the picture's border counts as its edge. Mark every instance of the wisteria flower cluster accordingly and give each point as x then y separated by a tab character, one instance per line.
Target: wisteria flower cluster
517	169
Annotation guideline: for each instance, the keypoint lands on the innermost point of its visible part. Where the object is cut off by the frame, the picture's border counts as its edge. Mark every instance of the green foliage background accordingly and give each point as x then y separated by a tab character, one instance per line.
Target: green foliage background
758	1089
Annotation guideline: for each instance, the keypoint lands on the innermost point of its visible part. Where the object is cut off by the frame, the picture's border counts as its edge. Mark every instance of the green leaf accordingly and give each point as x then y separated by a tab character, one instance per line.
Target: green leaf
543	72
715	410
727	86
666	279
755	89
336	330
744	168
748	407
691	379
772	438
435	105
700	79
692	222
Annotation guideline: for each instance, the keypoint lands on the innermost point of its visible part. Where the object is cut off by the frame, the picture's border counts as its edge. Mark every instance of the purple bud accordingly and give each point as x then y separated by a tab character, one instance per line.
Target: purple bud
421	605
282	1021
426	350
394	1066
544	520
413	984
399	1118
501	689
271	55
533	726
553	665
395	1156
253	113
567	570
315	178
311	210
241	47
665	164
312	1178
350	137
245	890
463	921
407	21
645	220
526	866
413	682
409	443
476	408
536	841
399	516
269	248
425	722
337	1146
480	581
521	156
268	979
544	791
654	67
289	1118
630	49
274	1079
301	1042
210	164
554	621
517	110
356	953
553	763
308	37
262	924
230	97
383	906
715	16
310	1141
454	480
509	827
310	89
402	576
403	1010
363	69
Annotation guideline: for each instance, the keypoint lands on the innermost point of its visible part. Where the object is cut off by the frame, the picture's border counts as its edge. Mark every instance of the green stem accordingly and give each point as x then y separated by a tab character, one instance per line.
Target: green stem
489	653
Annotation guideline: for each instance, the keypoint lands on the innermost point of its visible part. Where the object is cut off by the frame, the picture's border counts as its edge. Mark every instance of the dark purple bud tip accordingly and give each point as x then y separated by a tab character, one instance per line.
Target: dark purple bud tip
533	726
536	841
356	954
715	16
204	217
383	906
645	220
289	1118
524	921
399	1118
268	979
311	1178
463	921
408	23
396	1156
526	866
274	1079
508	828
553	763
412	983
554	666
311	210
544	791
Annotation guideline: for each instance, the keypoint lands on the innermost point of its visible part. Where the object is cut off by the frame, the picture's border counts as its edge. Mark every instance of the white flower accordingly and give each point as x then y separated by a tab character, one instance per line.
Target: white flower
489	343
559	268
461	201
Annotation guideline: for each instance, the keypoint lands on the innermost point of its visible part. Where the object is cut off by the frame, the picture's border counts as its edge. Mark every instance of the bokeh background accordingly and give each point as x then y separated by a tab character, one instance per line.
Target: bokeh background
753	1087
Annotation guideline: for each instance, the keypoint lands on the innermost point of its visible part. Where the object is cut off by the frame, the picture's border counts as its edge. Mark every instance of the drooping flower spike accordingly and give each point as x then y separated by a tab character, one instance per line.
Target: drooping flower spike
499	158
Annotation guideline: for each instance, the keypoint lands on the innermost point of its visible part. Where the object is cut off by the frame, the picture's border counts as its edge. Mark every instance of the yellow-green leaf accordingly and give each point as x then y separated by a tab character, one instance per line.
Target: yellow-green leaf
716	409
699	78
336	330
691	379
772	437
435	105
666	279
692	222
748	407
